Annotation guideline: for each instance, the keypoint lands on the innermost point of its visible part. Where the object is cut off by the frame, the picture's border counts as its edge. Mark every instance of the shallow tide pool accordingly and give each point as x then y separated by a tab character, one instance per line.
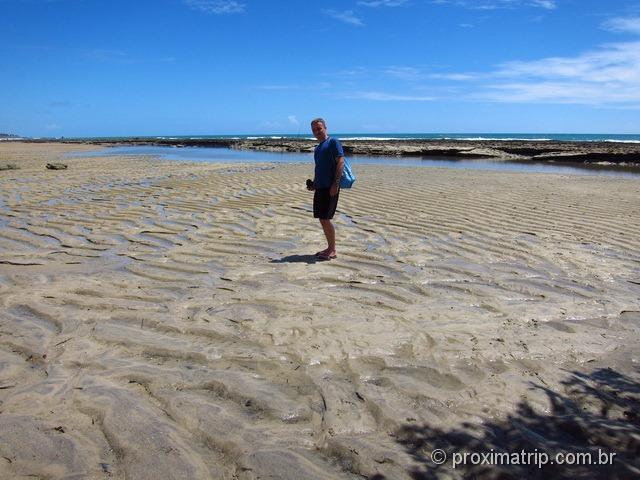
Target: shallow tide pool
227	155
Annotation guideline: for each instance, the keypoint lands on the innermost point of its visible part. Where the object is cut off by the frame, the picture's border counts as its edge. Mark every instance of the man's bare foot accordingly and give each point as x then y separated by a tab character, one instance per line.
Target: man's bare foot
327	255
322	252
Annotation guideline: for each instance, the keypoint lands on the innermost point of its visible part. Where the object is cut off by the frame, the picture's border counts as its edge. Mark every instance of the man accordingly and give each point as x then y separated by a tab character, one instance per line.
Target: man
329	162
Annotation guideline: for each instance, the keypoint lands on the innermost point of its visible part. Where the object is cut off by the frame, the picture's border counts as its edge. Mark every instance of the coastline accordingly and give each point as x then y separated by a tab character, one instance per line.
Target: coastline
165	319
611	153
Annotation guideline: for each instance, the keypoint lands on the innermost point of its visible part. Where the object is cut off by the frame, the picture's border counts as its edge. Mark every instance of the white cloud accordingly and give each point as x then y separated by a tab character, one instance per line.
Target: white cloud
414	74
582	93
293	120
606	75
354	72
405	73
623	25
458	77
614	62
610	75
387	97
499	4
547	4
347	17
382	3
216	7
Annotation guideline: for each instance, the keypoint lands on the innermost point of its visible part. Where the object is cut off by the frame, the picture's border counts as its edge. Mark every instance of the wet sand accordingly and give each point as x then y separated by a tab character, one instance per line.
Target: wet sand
168	320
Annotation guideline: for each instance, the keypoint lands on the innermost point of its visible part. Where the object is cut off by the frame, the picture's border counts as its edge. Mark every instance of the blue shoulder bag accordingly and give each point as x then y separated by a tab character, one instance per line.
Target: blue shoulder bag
348	177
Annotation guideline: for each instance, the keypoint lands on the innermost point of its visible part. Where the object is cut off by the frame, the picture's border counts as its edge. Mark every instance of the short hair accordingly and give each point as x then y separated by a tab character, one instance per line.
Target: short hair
319	120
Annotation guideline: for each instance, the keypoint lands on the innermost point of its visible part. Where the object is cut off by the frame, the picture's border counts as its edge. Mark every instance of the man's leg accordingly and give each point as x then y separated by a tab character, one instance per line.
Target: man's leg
330	233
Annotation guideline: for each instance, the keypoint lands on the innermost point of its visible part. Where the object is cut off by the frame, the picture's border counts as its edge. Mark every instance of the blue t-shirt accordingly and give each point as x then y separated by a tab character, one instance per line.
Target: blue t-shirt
325	156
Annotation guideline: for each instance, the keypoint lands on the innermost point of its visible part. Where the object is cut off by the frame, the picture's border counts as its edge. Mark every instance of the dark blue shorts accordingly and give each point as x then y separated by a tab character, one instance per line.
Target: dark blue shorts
324	206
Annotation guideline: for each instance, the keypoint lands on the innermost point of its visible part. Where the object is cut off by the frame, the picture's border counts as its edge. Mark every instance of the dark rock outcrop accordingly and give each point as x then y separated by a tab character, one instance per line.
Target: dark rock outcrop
56	166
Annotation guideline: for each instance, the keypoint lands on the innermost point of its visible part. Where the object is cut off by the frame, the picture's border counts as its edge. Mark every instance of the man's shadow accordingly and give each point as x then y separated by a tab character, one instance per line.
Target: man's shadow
308	259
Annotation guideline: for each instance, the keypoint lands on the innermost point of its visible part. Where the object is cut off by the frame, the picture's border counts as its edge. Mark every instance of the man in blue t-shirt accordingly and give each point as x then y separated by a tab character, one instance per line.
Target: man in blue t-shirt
329	160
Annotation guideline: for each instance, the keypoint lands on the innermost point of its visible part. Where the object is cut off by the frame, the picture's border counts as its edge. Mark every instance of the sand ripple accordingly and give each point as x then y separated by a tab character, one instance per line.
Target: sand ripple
165	320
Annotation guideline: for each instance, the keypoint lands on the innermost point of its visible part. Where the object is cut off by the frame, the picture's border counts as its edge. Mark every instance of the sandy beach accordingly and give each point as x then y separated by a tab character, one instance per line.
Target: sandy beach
168	320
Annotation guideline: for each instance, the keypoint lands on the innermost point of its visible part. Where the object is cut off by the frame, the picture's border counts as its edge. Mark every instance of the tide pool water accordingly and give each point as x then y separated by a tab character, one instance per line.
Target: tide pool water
222	155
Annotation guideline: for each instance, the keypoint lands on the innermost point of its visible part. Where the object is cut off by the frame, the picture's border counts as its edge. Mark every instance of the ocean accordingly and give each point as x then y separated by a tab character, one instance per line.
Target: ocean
566	137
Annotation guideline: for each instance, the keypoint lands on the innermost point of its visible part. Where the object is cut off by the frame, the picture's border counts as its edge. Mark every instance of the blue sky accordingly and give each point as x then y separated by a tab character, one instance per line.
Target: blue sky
182	67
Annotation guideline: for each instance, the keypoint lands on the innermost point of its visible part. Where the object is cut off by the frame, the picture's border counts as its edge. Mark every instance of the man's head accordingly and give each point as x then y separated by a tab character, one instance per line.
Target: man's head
319	129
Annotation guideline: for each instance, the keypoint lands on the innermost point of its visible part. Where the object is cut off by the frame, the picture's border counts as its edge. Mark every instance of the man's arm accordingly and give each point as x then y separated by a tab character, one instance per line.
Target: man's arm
336	181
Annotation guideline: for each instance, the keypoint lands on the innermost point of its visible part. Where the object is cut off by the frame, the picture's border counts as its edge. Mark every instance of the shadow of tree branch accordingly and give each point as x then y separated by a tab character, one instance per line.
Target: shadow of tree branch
597	415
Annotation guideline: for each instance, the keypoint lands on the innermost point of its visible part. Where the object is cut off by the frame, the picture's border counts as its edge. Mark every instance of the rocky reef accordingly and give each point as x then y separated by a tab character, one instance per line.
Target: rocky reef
587	152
